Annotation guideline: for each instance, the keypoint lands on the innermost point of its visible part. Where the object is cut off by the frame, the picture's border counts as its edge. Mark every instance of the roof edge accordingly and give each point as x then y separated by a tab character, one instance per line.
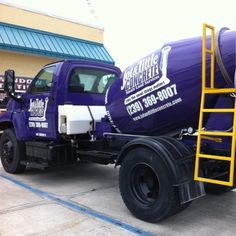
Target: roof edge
7	3
57	56
49	33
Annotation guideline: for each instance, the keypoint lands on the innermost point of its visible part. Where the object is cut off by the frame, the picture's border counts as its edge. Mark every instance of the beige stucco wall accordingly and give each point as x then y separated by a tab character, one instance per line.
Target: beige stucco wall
21	17
24	65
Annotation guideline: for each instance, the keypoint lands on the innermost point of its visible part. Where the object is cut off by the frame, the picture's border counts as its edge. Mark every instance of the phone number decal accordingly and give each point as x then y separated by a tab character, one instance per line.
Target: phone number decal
152	99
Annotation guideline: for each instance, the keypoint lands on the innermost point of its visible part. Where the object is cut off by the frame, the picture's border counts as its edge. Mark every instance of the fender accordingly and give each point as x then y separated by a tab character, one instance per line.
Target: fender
21	127
175	168
15	120
6	120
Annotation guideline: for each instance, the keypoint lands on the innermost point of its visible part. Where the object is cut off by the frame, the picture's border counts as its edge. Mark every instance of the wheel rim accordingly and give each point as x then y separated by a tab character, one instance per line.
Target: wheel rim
144	184
7	151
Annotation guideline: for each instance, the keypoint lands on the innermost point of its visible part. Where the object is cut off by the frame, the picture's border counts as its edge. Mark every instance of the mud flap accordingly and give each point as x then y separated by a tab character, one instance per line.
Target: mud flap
191	191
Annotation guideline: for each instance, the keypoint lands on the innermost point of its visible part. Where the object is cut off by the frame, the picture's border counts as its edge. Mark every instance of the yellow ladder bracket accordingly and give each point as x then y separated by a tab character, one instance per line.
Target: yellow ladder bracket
203	134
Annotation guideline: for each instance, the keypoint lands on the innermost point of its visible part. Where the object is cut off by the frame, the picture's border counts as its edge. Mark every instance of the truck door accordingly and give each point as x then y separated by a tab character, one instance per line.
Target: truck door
40	110
85	99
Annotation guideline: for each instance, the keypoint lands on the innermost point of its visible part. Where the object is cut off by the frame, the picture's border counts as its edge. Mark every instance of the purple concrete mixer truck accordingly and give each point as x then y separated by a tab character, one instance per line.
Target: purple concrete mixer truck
144	120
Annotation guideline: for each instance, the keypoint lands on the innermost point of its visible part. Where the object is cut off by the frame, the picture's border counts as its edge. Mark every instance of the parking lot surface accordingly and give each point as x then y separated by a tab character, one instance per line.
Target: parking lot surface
85	200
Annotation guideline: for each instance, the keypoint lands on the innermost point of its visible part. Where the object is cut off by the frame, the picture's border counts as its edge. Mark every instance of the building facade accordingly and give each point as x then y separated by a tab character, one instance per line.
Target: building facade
30	40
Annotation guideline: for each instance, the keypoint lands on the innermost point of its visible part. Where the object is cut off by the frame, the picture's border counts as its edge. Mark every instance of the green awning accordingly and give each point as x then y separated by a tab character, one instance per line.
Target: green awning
37	42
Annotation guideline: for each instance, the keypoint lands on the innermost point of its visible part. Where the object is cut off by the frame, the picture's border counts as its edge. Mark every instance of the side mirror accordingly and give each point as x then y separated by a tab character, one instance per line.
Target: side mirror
9	85
9	82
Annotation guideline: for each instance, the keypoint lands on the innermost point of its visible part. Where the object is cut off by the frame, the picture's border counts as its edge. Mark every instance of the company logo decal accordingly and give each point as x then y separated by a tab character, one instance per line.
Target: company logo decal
147	71
147	86
38	109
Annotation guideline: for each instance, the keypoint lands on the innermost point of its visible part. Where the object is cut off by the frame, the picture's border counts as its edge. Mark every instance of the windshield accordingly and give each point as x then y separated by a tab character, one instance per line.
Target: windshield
43	81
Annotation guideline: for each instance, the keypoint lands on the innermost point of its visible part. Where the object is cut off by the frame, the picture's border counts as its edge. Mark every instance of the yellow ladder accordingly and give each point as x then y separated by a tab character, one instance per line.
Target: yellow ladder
203	134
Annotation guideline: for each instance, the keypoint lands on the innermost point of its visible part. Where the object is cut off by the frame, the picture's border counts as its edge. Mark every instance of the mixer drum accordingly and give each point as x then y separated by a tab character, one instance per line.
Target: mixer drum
161	92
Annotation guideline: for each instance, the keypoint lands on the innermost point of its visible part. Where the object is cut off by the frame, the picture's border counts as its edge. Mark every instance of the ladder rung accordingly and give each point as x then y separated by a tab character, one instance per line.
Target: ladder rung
224	90
219	110
209	26
220	158
214	181
215	133
209	51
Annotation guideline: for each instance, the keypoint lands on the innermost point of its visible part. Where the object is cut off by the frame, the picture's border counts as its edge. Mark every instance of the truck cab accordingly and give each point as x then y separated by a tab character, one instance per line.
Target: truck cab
63	102
64	98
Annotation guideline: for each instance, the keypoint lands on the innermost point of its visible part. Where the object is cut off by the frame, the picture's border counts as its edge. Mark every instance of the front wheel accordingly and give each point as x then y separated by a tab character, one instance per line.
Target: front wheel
145	185
11	151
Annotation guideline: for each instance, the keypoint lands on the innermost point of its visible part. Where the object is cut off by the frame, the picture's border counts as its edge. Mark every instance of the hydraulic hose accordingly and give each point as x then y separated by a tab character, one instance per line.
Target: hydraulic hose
219	60
221	65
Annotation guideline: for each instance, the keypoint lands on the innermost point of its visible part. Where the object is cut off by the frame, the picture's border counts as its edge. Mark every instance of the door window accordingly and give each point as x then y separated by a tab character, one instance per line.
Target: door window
90	80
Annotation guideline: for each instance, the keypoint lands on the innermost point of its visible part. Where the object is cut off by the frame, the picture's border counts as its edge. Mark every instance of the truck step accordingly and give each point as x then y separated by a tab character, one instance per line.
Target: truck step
52	154
41	166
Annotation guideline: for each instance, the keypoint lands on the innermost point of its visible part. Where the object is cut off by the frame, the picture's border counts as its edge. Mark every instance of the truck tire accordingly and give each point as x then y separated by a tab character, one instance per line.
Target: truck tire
11	151
145	186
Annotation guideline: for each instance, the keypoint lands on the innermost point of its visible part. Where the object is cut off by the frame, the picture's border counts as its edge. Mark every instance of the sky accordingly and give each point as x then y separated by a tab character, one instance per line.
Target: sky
135	28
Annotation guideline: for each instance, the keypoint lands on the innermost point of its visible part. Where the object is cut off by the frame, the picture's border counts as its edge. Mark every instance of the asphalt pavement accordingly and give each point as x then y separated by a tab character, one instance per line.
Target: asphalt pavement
85	200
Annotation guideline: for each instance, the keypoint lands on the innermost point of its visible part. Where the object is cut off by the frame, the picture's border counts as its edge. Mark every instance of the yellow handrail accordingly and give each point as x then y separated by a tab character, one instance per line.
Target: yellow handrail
206	51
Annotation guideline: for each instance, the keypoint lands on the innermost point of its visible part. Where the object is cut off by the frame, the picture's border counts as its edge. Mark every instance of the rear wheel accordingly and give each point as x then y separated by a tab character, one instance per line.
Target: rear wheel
145	185
11	151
